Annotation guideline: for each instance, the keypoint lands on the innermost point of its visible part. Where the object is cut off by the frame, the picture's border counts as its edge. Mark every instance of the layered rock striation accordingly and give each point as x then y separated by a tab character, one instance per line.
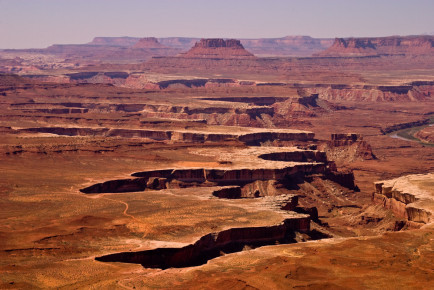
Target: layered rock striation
410	197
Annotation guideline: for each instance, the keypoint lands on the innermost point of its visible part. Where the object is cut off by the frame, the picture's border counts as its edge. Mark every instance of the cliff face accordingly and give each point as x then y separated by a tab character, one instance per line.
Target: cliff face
212	245
407	197
218	48
407	45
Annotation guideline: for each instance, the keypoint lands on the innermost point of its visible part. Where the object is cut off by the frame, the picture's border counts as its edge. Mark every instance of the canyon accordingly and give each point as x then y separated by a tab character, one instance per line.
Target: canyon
184	163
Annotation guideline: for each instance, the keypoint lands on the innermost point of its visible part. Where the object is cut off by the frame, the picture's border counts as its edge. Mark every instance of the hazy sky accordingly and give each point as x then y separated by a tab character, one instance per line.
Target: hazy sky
40	23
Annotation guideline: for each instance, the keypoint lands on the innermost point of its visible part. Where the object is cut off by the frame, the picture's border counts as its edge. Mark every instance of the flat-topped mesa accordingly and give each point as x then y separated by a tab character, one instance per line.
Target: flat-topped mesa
408	45
148	42
218	48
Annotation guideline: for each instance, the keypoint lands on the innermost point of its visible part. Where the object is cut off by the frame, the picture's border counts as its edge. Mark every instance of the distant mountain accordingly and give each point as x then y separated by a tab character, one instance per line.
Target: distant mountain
404	45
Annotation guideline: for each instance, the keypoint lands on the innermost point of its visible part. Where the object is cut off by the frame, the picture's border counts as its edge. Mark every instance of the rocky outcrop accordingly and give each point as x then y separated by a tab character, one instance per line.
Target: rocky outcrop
407	45
406	198
212	245
217	48
349	147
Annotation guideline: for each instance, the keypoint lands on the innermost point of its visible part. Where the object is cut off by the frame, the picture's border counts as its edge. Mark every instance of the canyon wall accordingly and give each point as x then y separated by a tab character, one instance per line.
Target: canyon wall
212	245
405	199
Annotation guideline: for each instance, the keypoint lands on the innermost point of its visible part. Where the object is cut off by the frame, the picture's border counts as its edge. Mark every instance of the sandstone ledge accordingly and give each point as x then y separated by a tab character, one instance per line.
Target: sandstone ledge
410	197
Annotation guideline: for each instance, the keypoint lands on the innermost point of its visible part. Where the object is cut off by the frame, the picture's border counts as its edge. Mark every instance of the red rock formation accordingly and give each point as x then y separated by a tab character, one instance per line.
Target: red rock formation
423	44
218	48
347	148
413	206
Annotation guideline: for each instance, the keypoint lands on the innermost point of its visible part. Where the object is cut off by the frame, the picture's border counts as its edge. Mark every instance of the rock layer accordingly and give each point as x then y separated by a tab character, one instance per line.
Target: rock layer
408	197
